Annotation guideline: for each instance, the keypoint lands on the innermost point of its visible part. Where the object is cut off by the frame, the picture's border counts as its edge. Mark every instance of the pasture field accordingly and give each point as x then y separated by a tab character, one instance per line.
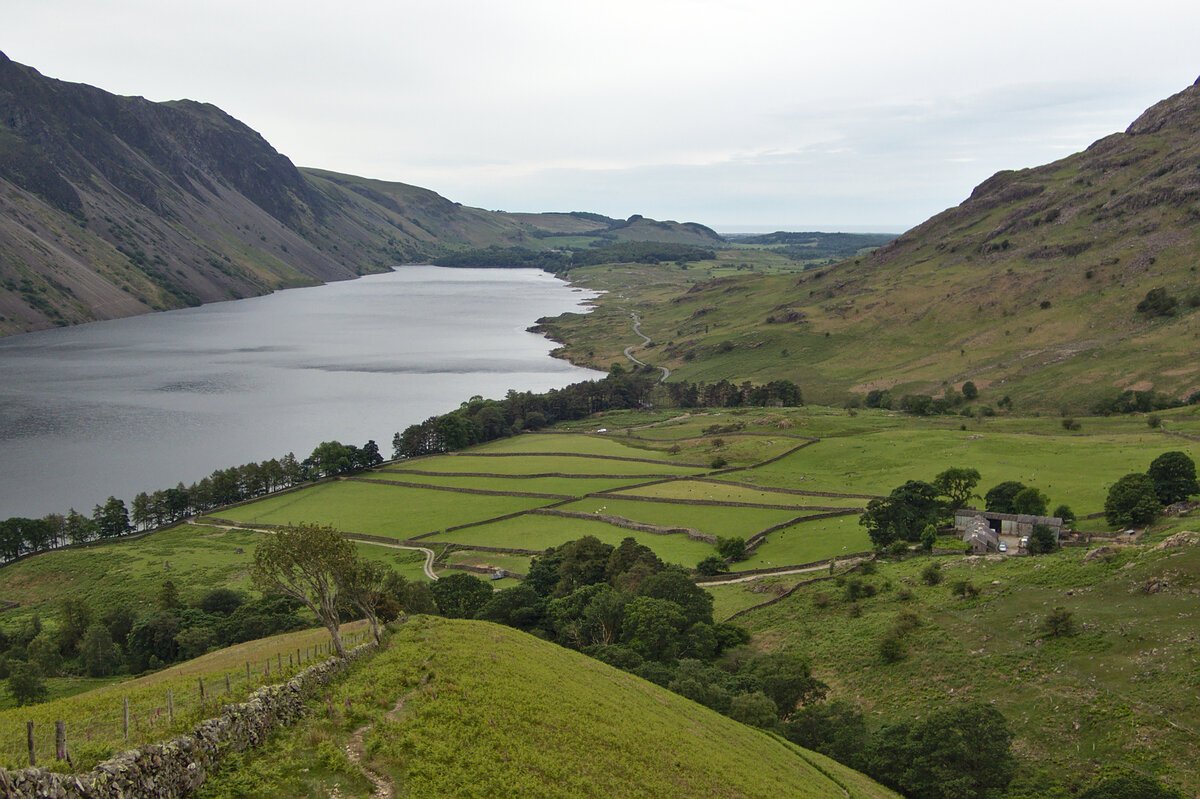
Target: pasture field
406	562
1071	468
388	510
572	443
807	542
729	599
1121	689
545	464
570	486
717	520
488	560
439	712
731	492
537	532
94	719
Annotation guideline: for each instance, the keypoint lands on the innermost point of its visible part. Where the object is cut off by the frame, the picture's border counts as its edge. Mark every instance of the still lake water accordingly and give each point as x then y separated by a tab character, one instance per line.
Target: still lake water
139	404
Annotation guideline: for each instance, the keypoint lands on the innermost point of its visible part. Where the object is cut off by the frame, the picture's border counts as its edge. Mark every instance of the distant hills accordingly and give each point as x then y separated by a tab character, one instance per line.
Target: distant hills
1060	286
112	206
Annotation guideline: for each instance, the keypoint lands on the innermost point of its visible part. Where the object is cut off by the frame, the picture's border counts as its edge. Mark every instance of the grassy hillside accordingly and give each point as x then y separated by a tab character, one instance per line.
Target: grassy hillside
1119	691
460	708
1029	288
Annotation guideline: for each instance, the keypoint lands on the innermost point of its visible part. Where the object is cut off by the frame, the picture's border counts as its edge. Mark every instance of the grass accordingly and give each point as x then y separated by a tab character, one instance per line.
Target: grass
1111	694
545	464
538	532
461	708
719	521
571	486
94	719
706	491
807	542
386	510
489	560
729	599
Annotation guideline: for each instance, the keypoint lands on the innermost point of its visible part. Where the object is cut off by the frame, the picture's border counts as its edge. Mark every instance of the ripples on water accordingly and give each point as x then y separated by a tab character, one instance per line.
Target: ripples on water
115	408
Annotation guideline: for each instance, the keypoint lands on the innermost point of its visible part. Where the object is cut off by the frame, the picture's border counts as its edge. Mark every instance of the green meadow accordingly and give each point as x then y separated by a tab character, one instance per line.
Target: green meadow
570	486
546	464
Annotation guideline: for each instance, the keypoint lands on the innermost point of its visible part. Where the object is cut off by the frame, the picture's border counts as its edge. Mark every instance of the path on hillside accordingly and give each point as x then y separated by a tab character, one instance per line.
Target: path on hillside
637	328
427	566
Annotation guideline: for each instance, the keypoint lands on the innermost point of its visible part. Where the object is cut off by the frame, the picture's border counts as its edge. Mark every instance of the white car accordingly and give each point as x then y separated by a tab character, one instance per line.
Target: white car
1003	547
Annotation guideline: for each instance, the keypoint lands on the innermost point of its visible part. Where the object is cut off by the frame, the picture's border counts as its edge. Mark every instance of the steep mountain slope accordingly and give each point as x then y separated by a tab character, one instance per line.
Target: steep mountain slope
1029	288
113	206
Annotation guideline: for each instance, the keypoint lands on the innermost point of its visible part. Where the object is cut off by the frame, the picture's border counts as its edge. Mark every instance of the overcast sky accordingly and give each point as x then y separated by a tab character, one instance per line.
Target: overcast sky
756	114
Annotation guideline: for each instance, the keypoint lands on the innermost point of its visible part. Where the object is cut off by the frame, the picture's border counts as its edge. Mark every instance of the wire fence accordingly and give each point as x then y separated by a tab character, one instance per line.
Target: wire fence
91	729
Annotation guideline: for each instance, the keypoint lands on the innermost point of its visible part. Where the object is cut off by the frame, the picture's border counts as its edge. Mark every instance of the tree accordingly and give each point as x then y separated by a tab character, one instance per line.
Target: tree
1058	622
1030	501
1065	513
111	519
98	653
755	709
733	548
25	683
957	485
1042	540
168	596
928	537
712	565
1132	500
1174	477
652	627
903	514
958	752
969	391
1130	786
364	584
932	574
306	563
460	595
999	499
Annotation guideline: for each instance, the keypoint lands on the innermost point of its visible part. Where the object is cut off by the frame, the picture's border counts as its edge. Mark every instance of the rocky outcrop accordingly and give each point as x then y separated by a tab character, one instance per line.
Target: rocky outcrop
179	766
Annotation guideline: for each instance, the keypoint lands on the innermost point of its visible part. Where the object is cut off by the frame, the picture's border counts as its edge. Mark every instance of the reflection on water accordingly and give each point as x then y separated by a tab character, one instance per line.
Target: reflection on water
139	404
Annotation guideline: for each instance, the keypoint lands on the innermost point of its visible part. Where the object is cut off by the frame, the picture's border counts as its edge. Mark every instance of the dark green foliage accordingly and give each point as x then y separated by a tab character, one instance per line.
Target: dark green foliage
835	728
1030	501
1000	498
959	752
712	565
1130	786
932	574
1134	402
221	601
1158	302
733	548
755	709
969	391
25	683
892	649
642	252
1058	622
964	588
1065	513
1132	500
98	653
1174	477
878	398
903	514
653	628
520	607
674	585
928	537
1042	540
957	485
460	595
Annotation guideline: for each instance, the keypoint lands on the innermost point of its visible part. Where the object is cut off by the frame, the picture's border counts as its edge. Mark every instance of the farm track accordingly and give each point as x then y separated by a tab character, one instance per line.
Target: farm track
637	328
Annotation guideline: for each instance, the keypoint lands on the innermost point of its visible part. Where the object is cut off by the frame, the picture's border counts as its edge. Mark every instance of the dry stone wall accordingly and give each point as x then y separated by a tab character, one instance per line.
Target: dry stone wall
179	766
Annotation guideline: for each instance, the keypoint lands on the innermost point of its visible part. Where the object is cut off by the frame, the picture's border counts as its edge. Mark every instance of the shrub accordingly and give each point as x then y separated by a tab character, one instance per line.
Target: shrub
821	600
1070	424
854	610
932	574
898	549
1158	303
904	594
892	649
719	462
1132	500
1154	421
964	589
1058	623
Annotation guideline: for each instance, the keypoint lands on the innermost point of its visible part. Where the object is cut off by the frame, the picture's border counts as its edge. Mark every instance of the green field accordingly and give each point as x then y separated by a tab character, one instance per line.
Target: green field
570	486
461	708
538	532
387	510
489	560
713	492
720	521
543	464
807	542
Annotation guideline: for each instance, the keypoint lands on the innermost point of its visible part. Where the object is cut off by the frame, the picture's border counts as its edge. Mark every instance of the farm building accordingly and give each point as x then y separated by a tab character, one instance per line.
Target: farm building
1014	524
980	536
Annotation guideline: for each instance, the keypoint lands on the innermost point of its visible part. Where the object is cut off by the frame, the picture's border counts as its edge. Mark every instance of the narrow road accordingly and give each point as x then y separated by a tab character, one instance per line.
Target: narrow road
427	567
637	328
822	568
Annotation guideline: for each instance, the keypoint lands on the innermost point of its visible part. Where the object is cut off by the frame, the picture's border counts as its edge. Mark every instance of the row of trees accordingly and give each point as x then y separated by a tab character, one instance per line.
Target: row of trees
479	420
1138	497
912	512
560	261
20	536
928	405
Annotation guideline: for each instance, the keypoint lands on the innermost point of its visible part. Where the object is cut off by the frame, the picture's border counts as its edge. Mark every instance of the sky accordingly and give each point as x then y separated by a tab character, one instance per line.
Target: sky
754	115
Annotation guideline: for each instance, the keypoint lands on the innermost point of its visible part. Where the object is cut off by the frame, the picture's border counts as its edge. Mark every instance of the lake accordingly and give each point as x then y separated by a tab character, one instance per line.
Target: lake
140	404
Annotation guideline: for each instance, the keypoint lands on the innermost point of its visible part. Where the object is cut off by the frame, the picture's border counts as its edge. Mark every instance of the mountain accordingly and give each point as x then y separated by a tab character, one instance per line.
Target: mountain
1060	286
112	206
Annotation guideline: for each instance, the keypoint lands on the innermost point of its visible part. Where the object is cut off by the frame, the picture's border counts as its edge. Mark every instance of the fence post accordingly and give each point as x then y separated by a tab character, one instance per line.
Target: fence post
171	705
201	681
227	691
268	669
125	717
60	740
248	683
29	740
297	657
289	660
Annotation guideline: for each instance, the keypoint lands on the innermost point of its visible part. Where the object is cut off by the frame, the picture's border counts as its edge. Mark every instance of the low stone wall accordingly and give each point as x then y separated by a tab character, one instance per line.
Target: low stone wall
630	524
179	766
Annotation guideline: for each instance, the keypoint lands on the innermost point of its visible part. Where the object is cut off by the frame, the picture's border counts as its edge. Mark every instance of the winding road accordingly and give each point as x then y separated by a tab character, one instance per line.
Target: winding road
637	328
